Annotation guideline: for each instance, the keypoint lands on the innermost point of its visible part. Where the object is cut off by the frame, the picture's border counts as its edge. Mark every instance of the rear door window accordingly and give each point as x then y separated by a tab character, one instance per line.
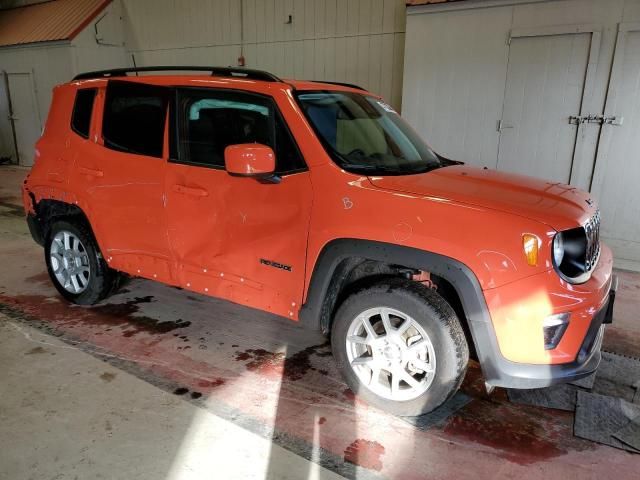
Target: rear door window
82	110
134	118
211	120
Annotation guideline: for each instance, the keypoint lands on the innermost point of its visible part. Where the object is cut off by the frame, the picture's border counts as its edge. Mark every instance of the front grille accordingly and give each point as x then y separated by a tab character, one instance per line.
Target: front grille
592	232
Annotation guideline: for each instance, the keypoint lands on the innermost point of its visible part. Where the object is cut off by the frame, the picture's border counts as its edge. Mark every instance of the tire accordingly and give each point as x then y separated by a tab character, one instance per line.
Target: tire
437	363
94	279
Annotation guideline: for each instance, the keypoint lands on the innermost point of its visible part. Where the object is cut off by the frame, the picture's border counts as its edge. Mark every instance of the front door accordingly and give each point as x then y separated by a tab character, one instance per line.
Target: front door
235	237
547	77
119	170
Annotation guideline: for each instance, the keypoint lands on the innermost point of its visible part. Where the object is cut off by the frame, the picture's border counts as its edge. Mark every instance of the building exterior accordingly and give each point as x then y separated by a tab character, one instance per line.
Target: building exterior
43	44
547	88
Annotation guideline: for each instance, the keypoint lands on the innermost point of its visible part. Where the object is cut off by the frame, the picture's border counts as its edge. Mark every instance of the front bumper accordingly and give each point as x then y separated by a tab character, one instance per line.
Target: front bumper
516	357
504	373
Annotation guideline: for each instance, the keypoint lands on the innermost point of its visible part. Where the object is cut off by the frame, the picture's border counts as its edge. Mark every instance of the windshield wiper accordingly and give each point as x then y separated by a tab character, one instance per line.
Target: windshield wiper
385	168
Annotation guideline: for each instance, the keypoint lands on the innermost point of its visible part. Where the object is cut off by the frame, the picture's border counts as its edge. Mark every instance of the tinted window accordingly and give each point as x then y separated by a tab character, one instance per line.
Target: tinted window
288	157
82	109
134	118
212	120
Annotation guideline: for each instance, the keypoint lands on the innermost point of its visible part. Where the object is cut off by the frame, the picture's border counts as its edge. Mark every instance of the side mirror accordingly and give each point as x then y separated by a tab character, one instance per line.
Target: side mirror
251	160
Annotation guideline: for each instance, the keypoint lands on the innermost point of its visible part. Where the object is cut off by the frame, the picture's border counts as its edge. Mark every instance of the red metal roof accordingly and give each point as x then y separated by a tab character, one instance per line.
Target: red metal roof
49	21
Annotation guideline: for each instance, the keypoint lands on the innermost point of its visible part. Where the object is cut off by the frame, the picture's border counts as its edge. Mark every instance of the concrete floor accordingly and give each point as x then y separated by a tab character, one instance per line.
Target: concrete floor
160	383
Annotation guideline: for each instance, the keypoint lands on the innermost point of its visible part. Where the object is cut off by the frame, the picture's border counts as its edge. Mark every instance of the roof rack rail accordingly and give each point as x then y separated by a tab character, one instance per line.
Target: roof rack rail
215	71
342	84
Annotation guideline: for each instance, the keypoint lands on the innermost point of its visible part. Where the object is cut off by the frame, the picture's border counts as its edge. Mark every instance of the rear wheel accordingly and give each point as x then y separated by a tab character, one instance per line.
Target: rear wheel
400	346
75	265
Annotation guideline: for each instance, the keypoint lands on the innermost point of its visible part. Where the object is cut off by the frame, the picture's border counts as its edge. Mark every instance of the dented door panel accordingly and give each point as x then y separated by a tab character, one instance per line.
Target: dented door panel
244	240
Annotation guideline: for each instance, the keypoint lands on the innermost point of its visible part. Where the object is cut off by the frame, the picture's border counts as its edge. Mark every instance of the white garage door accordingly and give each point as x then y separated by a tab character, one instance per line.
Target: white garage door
545	84
25	117
616	181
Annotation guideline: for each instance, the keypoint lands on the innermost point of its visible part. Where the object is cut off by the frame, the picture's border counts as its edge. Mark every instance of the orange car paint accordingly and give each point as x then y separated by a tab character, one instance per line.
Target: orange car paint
207	231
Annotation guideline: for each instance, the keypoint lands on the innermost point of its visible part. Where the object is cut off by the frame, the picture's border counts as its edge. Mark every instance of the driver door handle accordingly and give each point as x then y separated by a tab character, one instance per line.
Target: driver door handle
195	192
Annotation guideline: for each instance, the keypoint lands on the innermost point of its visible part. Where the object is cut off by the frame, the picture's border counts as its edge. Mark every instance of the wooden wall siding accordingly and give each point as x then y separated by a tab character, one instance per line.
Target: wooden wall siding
359	41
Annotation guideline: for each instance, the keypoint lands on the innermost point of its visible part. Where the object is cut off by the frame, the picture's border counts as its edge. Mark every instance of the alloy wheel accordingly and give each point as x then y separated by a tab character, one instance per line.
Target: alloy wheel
391	354
70	262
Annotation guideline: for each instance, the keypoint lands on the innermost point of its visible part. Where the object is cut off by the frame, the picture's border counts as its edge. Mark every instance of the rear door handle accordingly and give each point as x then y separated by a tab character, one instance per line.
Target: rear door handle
195	192
91	172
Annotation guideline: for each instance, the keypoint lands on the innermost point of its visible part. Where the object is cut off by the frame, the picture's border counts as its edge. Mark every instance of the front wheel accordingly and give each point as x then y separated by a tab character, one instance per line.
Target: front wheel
400	346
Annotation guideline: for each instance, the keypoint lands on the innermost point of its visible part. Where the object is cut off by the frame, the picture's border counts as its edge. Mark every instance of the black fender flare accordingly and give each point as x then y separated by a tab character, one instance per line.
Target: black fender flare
46	211
337	251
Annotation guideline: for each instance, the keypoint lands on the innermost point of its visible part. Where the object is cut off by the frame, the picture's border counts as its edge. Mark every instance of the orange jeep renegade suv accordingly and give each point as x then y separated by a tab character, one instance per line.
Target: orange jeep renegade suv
317	202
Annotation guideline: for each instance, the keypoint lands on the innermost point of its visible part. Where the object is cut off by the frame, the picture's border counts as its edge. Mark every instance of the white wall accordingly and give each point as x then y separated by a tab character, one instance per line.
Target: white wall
358	41
101	44
49	66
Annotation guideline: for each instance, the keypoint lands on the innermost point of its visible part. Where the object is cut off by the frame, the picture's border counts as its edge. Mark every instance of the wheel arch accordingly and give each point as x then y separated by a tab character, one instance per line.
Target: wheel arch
333	269
48	211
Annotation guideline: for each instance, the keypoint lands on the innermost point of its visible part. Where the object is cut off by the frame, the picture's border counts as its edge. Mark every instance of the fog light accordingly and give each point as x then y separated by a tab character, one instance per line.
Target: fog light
554	327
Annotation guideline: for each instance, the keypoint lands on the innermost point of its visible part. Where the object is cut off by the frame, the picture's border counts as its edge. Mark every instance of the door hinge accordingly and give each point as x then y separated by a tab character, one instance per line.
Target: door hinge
595	118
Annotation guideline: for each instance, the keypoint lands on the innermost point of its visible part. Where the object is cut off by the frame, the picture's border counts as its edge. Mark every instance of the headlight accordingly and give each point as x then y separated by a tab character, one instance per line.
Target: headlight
558	249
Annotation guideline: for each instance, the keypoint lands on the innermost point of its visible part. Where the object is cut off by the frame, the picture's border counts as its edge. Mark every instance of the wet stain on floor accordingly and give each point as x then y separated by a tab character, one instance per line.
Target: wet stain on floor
623	342
211	383
35	351
123	315
278	365
365	453
42	278
521	435
269	364
8	208
107	377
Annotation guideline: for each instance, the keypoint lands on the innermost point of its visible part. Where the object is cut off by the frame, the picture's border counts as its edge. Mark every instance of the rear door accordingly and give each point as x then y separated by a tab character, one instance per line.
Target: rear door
235	237
119	172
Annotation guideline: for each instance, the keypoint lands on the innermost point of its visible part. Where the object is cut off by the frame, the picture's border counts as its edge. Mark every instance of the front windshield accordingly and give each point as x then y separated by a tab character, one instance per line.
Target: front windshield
364	134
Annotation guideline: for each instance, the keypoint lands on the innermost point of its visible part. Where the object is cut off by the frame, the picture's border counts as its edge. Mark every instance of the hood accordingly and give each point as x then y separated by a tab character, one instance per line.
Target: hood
557	205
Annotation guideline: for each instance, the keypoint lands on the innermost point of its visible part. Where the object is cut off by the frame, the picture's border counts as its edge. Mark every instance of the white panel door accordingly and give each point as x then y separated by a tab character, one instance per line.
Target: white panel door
546	79
617	177
25	116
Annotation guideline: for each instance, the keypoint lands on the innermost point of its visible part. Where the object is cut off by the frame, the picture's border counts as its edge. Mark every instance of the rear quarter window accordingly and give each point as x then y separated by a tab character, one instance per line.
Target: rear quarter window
82	110
134	118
